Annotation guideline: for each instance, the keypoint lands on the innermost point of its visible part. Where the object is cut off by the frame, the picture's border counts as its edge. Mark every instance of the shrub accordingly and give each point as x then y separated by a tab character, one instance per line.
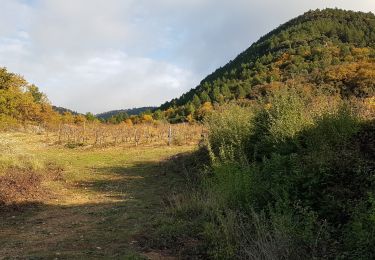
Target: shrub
283	117
18	186
230	131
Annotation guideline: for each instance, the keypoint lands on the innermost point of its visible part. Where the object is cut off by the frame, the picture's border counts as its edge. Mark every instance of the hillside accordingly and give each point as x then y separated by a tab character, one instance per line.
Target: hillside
327	51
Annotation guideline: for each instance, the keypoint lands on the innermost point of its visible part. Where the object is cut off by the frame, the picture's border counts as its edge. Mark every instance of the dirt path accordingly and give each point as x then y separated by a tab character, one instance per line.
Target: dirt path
108	198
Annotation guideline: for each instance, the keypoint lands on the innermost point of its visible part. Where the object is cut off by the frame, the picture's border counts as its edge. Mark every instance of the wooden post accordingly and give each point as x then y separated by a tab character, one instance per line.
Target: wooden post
170	135
59	132
84	132
136	137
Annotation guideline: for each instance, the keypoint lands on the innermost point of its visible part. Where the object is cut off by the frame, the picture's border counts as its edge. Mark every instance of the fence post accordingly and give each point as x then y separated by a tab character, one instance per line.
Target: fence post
84	132
136	137
59	132
170	135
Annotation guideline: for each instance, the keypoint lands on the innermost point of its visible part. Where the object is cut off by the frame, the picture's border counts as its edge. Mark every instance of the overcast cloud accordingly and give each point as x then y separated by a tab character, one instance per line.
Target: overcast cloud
99	55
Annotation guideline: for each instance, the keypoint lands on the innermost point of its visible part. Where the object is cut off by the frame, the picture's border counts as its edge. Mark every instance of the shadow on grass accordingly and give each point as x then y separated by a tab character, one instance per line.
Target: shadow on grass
130	200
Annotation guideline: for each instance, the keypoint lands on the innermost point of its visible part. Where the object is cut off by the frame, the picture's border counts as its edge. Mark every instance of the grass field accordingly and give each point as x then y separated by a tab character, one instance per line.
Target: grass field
105	200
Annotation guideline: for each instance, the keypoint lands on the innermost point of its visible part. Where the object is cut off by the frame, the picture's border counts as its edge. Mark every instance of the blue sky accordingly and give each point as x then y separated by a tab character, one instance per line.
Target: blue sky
99	55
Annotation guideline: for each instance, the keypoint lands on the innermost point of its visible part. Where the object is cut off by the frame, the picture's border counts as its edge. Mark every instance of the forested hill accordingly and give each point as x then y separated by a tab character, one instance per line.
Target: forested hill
130	112
63	110
328	51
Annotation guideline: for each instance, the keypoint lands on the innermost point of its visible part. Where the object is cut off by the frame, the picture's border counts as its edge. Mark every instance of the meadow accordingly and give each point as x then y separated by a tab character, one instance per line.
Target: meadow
82	202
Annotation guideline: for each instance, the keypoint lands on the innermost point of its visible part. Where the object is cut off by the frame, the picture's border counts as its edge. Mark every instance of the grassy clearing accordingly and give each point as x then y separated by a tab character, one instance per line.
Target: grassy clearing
105	201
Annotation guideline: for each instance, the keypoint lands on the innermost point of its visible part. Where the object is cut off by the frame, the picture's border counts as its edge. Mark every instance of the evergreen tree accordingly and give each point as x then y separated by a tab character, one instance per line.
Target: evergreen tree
196	101
204	97
240	92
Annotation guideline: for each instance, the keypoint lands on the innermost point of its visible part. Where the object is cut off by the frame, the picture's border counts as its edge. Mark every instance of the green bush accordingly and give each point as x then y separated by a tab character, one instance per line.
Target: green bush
276	126
303	183
230	130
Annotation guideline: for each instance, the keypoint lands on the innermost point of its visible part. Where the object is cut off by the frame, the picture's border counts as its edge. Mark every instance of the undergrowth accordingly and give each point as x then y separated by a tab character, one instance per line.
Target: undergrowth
284	181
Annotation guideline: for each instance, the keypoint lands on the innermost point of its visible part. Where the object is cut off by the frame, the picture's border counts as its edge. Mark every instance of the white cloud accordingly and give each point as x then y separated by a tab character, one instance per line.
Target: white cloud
106	81
95	55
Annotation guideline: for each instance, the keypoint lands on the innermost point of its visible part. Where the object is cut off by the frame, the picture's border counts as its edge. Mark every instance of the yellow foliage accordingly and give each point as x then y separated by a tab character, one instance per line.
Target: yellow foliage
79	119
268	106
128	122
207	107
67	118
370	102
170	111
361	52
352	70
147	119
190	118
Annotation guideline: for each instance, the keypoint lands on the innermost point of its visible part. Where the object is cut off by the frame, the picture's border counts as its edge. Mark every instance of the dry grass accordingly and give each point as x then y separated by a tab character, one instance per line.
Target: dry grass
23	174
81	203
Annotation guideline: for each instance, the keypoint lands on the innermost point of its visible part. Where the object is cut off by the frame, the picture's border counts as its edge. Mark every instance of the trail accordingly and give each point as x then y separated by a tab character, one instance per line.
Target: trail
107	200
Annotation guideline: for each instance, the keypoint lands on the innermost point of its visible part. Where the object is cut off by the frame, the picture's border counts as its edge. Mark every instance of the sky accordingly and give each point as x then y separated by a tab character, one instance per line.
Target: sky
101	55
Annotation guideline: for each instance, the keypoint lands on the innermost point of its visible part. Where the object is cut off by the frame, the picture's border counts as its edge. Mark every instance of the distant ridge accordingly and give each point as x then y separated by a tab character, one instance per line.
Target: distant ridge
62	110
130	112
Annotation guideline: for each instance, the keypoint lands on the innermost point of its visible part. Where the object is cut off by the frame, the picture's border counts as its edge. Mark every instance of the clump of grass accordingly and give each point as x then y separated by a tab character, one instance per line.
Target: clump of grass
14	154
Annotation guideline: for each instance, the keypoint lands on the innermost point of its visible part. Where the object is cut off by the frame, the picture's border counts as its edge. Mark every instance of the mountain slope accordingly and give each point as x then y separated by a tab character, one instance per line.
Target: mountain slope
327	51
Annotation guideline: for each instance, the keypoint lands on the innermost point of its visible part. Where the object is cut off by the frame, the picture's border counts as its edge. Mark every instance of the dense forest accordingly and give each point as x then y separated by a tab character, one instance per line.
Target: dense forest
328	52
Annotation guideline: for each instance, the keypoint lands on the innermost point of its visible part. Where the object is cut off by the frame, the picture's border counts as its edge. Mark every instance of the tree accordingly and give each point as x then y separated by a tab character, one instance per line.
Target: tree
216	95
196	101
90	117
204	97
79	119
158	115
189	108
22	102
240	92
147	119
67	118
204	110
38	96
225	91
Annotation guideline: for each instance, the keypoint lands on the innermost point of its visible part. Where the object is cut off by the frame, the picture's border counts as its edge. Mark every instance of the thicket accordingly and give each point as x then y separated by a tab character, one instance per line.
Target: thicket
302	181
288	179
